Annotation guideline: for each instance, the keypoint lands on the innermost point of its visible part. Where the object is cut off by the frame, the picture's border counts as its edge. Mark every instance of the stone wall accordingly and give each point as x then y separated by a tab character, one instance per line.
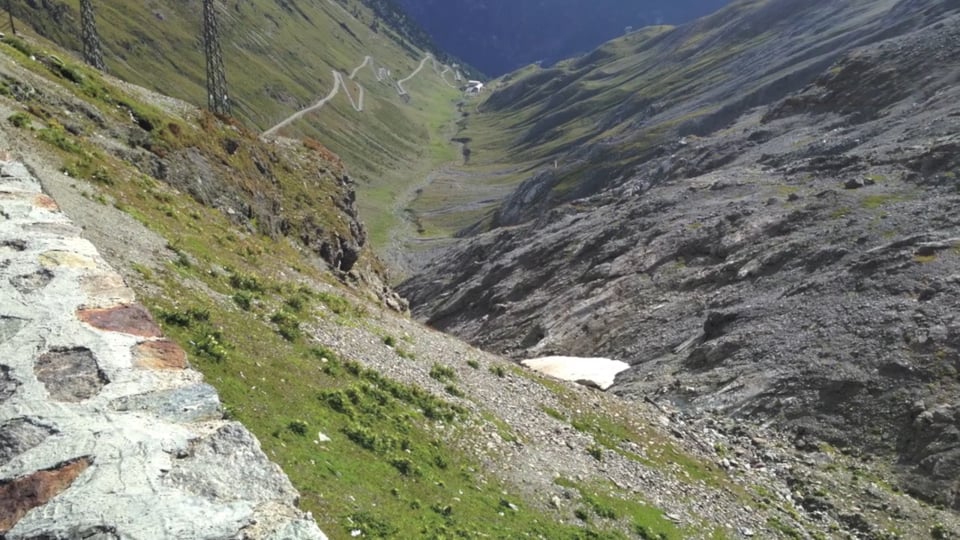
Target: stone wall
105	431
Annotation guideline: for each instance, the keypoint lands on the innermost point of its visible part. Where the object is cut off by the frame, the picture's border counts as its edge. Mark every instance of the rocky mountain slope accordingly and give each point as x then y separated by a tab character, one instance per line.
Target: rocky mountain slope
385	427
756	211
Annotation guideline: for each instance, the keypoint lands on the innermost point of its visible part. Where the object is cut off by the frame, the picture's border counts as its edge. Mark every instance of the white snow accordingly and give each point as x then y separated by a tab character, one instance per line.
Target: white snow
598	371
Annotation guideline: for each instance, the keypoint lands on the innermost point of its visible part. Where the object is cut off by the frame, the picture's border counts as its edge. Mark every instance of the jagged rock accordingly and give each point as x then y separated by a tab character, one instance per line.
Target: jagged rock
9	326
228	465
19	435
70	374
8	384
20	495
129	319
28	283
857	183
195	403
159	354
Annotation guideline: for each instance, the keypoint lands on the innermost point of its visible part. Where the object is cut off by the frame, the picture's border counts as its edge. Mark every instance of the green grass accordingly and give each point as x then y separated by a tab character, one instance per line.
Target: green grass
19	120
874	202
612	428
442	373
640	519
386	468
784	530
840	213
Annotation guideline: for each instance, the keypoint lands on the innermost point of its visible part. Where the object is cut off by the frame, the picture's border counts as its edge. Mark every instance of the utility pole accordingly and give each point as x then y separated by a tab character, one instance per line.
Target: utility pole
92	51
217	98
13	27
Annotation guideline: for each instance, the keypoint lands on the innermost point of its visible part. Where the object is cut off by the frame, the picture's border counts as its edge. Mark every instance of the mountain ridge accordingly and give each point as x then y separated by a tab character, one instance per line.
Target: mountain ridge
500	36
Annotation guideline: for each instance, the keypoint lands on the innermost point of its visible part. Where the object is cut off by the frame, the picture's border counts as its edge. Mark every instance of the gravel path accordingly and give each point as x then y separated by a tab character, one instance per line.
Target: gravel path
340	81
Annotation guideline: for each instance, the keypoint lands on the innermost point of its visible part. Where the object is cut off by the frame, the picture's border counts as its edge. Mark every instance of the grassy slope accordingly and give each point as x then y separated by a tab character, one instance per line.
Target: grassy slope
279	57
244	306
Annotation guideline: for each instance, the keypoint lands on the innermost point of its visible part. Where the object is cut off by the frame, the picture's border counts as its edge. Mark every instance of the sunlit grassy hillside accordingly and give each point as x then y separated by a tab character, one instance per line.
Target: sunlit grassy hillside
279	59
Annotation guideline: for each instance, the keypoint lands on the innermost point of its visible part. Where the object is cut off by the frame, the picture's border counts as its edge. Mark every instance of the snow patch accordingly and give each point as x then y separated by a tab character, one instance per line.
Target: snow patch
599	372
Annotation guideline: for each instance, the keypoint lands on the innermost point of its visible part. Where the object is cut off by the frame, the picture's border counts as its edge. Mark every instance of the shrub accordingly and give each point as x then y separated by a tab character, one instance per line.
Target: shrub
473	363
67	71
338	401
287	325
373	440
389	341
57	136
371	526
298	299
245	282
405	467
605	512
380	389
337	304
19	119
209	347
244	299
442	373
645	533
19	45
499	371
444	510
320	352
298	427
185	318
89	167
939	531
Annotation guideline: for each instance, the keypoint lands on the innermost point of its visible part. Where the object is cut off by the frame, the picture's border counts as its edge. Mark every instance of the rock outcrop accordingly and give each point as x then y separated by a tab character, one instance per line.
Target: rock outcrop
105	431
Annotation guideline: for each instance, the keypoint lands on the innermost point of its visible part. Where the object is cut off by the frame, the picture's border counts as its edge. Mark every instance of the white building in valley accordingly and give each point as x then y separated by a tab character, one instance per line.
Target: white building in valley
473	88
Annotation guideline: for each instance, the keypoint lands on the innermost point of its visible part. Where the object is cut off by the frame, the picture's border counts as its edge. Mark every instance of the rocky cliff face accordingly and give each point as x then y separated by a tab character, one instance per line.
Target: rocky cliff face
105	431
792	259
